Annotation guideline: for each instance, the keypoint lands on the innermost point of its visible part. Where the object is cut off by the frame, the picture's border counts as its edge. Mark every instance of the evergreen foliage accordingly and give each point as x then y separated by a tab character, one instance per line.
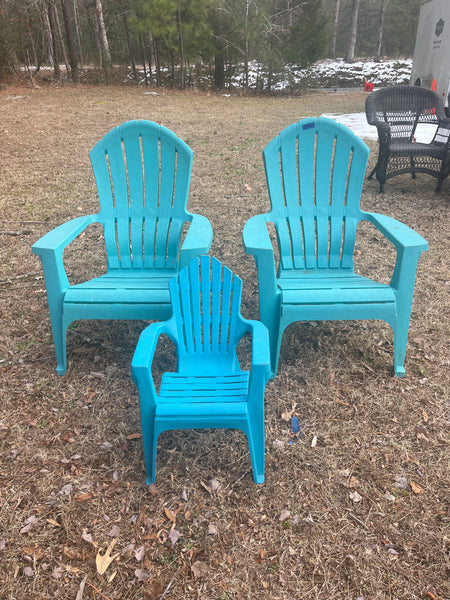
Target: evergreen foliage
176	42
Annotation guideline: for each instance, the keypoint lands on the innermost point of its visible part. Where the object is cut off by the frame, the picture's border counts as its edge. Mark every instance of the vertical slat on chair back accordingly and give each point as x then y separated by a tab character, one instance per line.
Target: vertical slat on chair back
315	171
206	299
142	171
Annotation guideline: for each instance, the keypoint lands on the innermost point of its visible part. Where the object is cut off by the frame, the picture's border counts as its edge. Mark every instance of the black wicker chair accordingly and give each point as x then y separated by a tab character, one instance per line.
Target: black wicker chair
396	112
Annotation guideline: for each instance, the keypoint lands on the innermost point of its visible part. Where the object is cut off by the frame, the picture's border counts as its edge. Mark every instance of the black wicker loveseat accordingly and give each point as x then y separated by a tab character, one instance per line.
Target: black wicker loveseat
398	113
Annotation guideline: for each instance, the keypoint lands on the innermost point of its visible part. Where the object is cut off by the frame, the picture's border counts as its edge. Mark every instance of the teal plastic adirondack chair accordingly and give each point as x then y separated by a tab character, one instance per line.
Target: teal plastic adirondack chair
315	170
143	172
208	390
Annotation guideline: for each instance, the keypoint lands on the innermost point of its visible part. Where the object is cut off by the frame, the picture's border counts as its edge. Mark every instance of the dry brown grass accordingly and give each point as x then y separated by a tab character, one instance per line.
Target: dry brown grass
72	474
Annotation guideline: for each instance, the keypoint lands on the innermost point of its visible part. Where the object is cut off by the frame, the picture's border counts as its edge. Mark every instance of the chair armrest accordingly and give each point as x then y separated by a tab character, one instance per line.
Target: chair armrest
260	348
60	237
50	250
409	245
396	232
256	241
384	131
260	369
442	135
141	364
255	236
198	240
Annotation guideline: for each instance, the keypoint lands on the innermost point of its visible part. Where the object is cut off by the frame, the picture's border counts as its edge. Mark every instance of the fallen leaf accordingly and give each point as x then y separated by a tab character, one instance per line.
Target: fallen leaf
87	537
287	415
142	575
66	489
84	497
284	515
314	442
153	589
152	490
139	553
134	436
199	570
355	496
401	482
170	515
425	416
114	531
416	488
278	444
57	572
104	560
174	536
29	524
214	484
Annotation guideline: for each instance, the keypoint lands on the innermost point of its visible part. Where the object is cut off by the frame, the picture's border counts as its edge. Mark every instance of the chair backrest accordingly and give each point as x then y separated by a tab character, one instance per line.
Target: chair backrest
315	171
403	107
143	172
206	299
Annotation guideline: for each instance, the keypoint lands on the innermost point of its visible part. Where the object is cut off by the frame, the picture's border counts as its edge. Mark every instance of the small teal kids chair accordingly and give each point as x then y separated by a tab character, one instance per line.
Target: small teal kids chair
315	171
143	173
208	389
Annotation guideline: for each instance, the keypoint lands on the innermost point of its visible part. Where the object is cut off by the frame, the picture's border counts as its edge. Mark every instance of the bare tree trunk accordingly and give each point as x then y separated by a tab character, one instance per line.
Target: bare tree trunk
157	65
383	5
77	31
54	40
60	37
142	49
102	33
332	51
247	4
127	35
180	36
70	45
48	30
349	55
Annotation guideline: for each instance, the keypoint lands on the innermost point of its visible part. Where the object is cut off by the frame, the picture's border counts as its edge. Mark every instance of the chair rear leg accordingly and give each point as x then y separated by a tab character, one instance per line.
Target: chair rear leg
275	336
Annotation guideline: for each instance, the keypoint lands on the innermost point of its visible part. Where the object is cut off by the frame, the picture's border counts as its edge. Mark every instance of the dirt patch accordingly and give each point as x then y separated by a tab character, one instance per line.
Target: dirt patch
362	513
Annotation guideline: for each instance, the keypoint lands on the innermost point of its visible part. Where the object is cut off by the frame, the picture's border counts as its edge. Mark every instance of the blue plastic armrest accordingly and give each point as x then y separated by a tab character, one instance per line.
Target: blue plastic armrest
409	245
257	242
198	240
260	349
396	232
141	371
255	236
57	239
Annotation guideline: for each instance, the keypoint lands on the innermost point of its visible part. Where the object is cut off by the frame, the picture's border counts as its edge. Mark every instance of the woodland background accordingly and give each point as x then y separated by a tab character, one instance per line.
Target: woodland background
198	43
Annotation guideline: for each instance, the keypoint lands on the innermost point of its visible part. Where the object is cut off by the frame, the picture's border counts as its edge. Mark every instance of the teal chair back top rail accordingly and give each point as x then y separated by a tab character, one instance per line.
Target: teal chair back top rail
143	173
315	172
